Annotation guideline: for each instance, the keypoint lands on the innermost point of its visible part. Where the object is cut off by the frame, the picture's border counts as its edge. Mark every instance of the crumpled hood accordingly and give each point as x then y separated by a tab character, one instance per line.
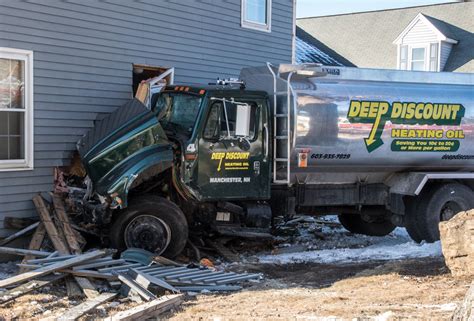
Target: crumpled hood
118	143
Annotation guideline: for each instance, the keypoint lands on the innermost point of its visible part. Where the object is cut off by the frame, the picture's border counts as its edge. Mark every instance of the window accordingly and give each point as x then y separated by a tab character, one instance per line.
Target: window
16	109
256	14
418	59
404	57
221	123
434	57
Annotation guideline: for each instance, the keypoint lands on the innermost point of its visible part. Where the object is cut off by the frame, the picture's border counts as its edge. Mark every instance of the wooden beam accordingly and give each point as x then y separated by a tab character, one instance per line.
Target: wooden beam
51	268
81	309
14	293
149	309
53	233
66	225
22	232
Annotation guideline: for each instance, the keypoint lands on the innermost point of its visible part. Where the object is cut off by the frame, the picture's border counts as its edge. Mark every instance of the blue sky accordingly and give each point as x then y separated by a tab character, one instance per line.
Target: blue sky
312	8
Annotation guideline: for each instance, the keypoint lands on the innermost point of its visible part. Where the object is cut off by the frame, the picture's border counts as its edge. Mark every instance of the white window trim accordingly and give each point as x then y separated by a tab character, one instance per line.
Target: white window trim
425	60
266	27
28	162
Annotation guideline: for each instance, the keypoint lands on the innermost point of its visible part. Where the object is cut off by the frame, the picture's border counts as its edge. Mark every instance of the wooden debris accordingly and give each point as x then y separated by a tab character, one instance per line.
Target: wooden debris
16	235
28	287
18	223
53	234
66	225
35	243
81	309
164	261
51	268
224	251
149	309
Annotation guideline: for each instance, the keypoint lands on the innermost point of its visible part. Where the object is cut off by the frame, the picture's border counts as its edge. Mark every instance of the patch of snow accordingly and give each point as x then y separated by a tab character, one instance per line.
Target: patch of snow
373	252
340	246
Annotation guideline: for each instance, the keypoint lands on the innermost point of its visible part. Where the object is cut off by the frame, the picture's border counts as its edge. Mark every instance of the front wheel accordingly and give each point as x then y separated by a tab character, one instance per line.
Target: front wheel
151	223
355	224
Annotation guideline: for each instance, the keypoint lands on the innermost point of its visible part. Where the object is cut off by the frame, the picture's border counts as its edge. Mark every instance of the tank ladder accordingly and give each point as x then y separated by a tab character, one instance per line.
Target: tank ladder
281	134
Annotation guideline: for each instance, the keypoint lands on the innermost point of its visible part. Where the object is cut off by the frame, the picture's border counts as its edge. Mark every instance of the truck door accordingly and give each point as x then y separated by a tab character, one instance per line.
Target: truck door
233	159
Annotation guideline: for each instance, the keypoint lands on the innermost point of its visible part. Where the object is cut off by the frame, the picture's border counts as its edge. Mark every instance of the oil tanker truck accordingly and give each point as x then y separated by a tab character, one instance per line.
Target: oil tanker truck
379	148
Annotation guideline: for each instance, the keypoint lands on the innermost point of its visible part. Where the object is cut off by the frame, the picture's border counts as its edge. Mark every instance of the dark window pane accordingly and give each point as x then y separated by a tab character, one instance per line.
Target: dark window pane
16	123
3	148
16	148
3	123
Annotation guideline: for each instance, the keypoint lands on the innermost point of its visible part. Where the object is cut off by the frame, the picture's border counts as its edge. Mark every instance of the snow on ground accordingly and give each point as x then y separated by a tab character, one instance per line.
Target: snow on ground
340	246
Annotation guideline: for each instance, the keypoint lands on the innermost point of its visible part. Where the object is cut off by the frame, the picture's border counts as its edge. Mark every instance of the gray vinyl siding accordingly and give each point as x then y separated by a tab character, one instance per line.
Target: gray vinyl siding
83	56
444	54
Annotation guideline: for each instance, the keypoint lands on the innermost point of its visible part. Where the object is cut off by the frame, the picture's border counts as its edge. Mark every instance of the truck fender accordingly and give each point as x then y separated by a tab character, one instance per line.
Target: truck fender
118	182
412	183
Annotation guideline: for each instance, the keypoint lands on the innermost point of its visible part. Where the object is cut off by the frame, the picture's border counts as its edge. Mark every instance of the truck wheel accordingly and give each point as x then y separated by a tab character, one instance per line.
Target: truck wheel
436	204
355	224
152	223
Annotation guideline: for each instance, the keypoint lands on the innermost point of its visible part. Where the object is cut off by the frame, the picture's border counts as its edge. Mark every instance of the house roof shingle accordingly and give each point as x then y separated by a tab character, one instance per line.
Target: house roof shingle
365	39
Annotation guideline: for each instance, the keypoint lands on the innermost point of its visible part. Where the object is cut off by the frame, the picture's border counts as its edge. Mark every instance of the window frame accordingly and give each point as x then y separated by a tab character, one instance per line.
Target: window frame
28	162
426	50
266	27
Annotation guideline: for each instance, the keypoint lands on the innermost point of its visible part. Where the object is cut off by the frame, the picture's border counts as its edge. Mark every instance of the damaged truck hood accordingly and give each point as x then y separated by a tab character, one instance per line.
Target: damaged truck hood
119	148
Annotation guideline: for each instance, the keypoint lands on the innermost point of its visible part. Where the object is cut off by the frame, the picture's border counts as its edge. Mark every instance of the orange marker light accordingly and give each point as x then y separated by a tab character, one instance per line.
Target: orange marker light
202	92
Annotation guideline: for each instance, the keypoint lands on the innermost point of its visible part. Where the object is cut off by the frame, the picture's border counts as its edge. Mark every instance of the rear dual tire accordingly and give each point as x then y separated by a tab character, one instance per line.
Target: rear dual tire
435	204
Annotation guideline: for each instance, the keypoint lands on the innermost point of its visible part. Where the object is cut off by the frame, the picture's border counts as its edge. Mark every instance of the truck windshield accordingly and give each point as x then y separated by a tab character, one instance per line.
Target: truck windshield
177	109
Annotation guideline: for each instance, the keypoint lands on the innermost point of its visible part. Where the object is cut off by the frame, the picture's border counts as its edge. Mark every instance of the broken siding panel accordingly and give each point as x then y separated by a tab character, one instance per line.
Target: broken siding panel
83	52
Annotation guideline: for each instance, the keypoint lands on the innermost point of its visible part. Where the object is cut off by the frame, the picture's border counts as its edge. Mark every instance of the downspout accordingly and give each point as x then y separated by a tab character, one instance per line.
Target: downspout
293	37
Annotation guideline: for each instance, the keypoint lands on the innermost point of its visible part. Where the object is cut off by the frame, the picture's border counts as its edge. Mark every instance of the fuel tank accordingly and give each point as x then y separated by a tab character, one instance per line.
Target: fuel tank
353	124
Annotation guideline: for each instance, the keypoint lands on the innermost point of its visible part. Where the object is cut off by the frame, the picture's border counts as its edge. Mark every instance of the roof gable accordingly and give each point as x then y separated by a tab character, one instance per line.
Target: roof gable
436	26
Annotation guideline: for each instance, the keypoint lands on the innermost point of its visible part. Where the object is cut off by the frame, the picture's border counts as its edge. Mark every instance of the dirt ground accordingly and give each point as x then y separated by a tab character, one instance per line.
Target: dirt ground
321	273
419	289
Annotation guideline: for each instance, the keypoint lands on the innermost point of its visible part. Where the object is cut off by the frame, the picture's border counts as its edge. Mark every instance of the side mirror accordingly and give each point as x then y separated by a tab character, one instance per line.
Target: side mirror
242	121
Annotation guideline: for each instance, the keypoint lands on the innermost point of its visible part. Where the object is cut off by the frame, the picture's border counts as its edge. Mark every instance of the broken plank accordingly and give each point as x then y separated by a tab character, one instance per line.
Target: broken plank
81	309
14	293
45	217
66	224
51	268
148	309
22	232
22	252
35	243
142	278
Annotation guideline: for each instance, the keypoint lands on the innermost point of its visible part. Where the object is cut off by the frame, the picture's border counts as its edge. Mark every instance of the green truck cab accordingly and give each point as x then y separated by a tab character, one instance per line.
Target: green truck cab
194	155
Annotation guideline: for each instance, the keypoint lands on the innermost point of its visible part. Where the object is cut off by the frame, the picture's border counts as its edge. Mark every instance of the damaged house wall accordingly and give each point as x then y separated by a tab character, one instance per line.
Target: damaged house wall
83	56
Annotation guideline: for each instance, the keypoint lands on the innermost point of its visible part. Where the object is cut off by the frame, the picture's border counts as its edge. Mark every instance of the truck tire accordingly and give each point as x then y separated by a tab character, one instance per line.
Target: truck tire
152	223
355	224
436	204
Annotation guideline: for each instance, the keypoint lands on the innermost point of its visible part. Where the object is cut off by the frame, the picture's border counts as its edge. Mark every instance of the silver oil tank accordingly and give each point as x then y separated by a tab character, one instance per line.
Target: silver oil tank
352	124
